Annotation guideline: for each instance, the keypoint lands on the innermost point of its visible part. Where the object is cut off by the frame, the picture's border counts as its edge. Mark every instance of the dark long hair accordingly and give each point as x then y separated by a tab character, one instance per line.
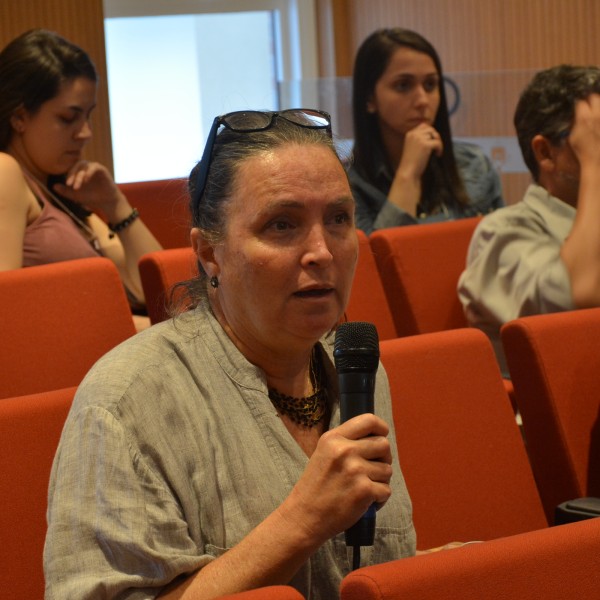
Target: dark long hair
441	181
33	67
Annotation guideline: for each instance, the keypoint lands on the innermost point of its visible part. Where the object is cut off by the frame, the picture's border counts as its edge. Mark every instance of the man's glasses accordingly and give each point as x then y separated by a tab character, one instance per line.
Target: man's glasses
251	121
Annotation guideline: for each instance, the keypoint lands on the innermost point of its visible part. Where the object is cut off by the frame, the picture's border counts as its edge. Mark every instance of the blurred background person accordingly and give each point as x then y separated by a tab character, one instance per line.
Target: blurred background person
50	195
542	254
405	168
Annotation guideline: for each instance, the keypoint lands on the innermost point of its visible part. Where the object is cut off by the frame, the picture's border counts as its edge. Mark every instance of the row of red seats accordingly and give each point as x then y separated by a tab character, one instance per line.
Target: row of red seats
459	445
461	453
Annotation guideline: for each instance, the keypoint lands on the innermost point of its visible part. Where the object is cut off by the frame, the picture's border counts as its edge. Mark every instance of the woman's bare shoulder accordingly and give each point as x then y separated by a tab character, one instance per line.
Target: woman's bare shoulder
17	204
14	190
10	169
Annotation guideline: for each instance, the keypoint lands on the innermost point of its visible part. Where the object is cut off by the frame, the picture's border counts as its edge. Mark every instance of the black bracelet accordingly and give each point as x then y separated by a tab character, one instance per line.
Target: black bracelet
125	223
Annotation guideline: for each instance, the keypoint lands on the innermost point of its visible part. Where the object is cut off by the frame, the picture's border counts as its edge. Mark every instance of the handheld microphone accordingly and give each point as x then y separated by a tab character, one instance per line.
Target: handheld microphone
356	357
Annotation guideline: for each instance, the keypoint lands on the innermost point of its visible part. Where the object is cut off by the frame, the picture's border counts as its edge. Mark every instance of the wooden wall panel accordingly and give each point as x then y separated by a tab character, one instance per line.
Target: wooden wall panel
473	35
82	23
335	51
490	47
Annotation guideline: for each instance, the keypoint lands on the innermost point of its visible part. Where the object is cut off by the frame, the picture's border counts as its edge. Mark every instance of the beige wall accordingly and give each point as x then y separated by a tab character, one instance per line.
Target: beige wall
82	22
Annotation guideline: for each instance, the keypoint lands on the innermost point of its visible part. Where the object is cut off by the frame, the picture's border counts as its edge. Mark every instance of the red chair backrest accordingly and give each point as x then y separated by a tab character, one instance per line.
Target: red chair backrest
367	300
554	362
164	208
460	449
30	428
420	266
57	321
160	271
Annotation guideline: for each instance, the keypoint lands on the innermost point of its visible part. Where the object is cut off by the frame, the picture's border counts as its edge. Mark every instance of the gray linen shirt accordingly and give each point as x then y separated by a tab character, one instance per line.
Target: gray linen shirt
514	268
171	454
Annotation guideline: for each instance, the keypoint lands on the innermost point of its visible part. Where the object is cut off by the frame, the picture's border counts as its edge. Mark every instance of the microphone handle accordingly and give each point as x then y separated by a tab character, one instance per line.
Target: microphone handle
356	394
352	404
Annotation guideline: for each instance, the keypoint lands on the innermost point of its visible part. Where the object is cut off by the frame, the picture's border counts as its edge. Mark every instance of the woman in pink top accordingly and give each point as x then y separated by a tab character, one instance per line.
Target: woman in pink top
49	195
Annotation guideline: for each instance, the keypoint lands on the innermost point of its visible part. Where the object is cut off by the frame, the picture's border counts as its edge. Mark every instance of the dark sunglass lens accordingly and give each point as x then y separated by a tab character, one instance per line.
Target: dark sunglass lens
307	117
247	120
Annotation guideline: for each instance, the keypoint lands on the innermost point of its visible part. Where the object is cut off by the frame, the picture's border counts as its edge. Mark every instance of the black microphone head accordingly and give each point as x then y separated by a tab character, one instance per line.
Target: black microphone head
356	347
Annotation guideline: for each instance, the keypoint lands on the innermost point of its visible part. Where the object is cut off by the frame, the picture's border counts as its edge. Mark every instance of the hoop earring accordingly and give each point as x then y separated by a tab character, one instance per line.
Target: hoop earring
214	281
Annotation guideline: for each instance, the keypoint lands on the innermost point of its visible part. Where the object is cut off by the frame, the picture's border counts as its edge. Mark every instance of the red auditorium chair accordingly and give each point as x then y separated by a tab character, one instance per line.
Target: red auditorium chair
30	427
460	449
419	267
554	362
557	563
160	271
367	300
164	208
57	321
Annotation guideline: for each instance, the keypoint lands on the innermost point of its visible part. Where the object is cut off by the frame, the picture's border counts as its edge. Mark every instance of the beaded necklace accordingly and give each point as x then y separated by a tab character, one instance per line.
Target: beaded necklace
309	410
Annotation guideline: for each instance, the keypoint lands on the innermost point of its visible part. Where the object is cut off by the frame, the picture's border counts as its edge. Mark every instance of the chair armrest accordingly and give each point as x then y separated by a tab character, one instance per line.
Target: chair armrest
578	509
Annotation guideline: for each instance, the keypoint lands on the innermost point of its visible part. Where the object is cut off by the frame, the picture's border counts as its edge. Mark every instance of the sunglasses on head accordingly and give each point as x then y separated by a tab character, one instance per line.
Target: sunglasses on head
251	121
